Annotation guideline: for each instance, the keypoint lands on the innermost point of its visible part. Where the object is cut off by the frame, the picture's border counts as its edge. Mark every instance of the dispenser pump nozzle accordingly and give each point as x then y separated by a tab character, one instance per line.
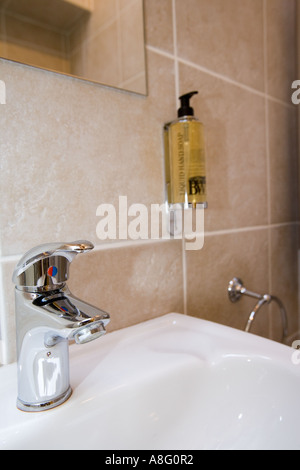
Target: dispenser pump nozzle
186	109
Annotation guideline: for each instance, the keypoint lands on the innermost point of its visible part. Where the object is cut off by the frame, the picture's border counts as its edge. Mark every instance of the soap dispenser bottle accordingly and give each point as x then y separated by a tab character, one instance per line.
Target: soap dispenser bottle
185	158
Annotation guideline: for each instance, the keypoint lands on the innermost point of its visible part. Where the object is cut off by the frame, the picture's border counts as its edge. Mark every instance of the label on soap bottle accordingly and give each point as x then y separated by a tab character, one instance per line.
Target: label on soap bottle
187	162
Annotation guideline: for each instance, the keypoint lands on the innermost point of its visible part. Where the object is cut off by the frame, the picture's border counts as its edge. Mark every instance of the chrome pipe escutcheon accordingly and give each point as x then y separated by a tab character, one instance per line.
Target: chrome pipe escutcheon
236	289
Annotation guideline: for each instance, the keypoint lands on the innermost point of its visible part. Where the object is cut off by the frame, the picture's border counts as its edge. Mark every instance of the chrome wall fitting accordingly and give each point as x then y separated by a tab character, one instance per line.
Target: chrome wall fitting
236	289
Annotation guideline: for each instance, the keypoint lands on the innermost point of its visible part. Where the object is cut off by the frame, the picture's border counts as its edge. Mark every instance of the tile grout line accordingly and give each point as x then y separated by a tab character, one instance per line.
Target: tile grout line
175	56
140	243
267	114
224	78
119	42
268	160
253	228
177	92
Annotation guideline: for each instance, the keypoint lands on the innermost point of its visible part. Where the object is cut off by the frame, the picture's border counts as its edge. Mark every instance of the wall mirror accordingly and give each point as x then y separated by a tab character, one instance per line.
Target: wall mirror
98	40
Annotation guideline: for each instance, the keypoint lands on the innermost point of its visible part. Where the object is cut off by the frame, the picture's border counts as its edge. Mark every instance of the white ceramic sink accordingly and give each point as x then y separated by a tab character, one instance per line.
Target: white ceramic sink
175	382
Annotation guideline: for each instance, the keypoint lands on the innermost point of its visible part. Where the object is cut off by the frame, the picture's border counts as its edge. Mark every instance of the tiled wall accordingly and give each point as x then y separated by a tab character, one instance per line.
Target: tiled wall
67	146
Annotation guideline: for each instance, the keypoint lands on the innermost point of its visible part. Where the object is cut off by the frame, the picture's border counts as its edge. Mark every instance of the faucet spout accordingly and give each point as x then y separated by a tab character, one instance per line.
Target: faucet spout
72	318
48	317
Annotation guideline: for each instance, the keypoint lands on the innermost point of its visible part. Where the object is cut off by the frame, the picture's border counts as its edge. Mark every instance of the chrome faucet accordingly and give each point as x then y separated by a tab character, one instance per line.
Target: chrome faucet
48	317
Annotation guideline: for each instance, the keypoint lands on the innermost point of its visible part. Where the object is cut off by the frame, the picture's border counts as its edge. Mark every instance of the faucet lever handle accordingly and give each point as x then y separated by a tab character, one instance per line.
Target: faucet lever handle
46	266
80	246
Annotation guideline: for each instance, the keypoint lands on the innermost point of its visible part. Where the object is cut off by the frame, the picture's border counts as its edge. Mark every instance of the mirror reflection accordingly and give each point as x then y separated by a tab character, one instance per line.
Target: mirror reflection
98	40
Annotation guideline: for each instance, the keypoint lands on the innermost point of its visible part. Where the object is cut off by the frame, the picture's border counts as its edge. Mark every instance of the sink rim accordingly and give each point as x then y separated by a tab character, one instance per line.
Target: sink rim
84	384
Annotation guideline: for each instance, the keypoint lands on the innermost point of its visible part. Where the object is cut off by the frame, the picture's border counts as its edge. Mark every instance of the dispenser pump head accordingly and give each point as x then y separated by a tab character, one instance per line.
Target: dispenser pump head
186	109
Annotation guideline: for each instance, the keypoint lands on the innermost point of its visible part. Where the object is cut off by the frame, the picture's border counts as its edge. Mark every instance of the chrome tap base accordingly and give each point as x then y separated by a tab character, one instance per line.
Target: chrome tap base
36	407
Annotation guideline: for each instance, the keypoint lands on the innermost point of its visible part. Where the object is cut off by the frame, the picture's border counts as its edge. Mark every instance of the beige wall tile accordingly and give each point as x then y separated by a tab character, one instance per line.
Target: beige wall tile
138	83
234	122
159	24
284	277
103	13
56	170
77	62
132	41
281	47
8	324
243	255
133	284
283	163
101	61
223	36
